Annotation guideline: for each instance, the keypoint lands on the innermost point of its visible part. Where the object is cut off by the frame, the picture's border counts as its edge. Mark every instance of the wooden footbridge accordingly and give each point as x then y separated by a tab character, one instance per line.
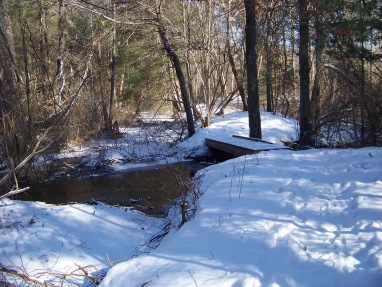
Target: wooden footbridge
235	146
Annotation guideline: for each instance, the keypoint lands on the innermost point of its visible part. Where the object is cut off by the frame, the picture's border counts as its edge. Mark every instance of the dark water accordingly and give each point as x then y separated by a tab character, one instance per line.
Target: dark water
150	190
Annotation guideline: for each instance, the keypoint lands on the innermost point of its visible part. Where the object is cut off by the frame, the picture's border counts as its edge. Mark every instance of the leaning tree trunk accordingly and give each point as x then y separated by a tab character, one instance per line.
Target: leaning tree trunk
179	73
239	81
251	58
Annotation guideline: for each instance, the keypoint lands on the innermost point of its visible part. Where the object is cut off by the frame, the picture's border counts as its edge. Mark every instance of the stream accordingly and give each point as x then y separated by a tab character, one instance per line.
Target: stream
150	189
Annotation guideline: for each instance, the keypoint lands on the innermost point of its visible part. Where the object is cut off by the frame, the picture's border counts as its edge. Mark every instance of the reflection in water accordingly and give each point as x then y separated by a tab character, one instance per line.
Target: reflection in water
150	189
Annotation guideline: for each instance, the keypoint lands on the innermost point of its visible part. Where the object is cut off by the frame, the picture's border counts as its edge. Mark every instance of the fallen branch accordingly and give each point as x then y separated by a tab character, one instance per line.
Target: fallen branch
13	192
86	274
33	282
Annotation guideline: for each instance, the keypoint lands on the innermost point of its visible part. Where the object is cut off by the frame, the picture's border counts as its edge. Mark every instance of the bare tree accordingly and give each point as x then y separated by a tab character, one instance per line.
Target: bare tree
230	54
305	111
252	73
178	69
318	64
112	69
44	143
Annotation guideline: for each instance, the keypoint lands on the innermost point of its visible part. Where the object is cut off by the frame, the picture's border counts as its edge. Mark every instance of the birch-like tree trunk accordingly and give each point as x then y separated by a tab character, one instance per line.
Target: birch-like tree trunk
60	75
112	71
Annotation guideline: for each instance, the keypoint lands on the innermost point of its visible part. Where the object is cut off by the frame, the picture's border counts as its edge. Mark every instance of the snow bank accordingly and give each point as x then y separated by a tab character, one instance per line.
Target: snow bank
275	129
47	241
281	218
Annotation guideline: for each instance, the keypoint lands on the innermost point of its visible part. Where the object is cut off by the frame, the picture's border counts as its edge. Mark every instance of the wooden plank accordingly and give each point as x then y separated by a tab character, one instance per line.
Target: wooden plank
229	148
239	146
251	139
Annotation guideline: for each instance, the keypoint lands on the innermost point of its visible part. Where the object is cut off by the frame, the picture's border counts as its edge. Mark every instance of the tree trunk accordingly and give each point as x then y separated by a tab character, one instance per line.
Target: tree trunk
207	66
101	89
268	77
179	73
305	112
187	33
319	49
43	39
239	82
11	70
363	102
252	79
60	77
27	80
112	72
285	55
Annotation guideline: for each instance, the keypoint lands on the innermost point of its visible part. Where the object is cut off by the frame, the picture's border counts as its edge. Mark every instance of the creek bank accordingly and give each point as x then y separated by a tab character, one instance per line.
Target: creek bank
150	189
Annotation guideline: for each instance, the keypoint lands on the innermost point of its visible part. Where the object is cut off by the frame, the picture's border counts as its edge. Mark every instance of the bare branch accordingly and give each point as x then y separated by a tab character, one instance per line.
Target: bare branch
36	149
138	21
24	277
13	192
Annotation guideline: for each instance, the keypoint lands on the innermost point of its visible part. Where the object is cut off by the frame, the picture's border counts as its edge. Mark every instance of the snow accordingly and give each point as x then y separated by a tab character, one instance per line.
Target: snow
43	239
248	144
278	218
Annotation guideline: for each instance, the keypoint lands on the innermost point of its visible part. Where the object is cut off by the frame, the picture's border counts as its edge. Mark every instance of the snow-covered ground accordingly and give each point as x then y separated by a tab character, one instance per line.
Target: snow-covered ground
154	145
278	218
48	242
281	218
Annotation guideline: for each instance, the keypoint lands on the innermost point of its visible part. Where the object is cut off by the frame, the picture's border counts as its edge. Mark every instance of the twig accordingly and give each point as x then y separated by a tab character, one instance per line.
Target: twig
108	260
24	277
212	256
192	278
242	177
73	273
232	180
80	245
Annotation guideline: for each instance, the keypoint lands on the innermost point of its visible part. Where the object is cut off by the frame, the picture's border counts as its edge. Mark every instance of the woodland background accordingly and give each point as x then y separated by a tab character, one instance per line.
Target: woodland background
69	69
